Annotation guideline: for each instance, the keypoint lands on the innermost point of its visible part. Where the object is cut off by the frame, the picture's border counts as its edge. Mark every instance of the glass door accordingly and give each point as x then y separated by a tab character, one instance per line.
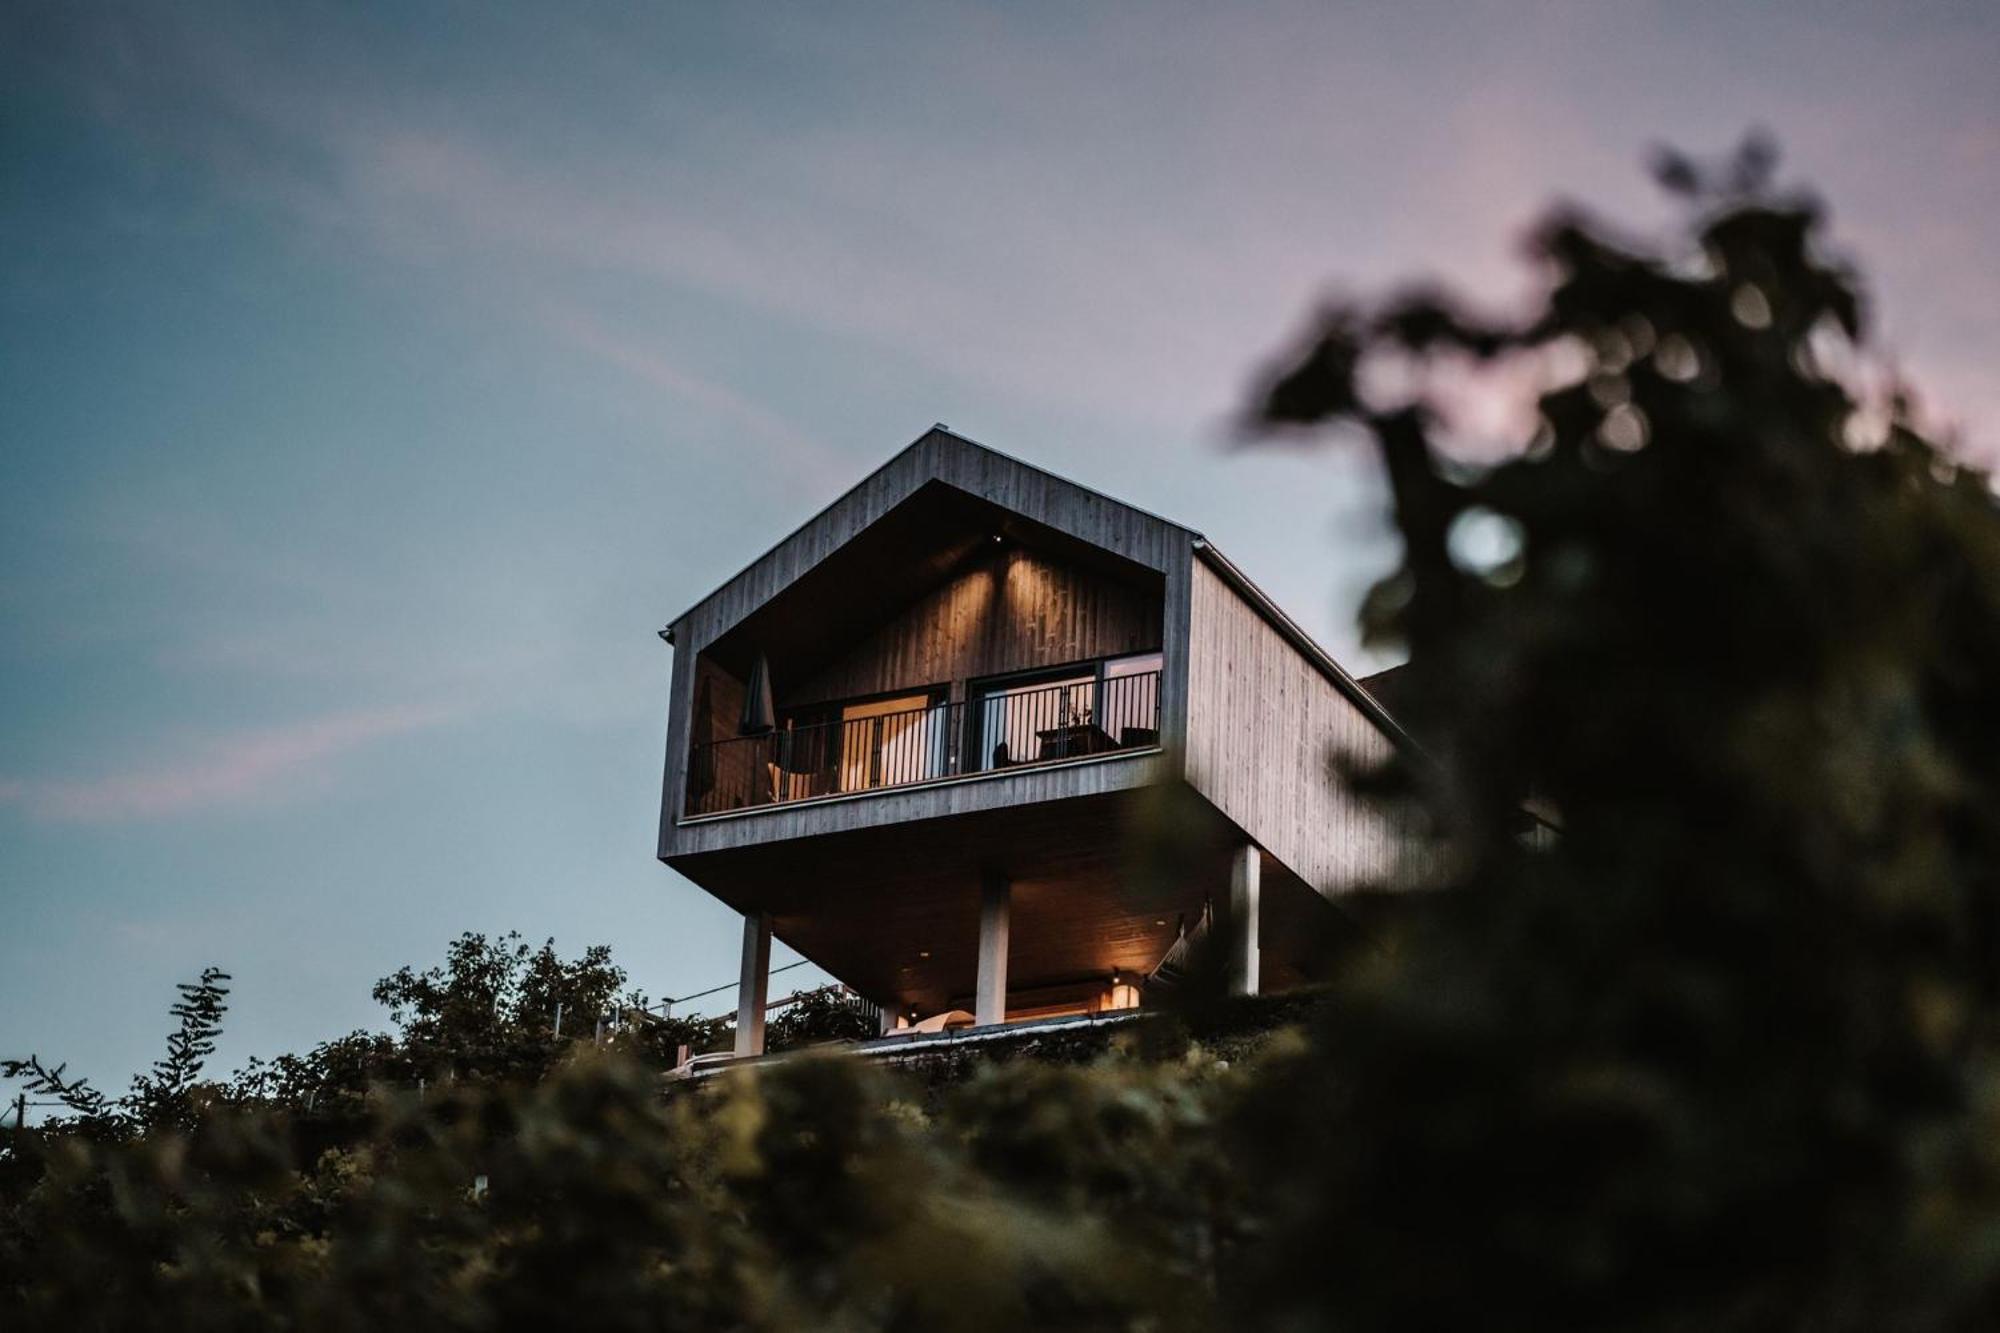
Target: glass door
887	742
1027	721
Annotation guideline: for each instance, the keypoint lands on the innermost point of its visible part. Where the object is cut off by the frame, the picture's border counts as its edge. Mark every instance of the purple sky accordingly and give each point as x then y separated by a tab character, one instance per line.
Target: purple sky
379	378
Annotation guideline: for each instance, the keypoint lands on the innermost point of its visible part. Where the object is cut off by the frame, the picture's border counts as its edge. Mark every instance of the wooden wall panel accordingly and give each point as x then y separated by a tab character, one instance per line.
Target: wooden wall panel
1263	727
1015	610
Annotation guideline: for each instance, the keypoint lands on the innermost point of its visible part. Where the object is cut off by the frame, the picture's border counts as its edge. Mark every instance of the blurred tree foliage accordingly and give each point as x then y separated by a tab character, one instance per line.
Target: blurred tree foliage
1718	1053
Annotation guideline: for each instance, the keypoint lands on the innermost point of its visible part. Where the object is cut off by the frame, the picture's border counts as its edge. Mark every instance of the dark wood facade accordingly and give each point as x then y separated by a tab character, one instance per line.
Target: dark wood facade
1251	695
1011	609
953	563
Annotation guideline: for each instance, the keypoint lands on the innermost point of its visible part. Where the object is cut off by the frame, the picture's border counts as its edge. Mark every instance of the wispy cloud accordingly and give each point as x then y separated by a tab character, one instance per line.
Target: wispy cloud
1029	207
223	772
648	364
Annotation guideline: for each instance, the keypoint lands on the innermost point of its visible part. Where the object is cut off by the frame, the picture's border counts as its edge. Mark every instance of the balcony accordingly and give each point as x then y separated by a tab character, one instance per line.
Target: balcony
923	736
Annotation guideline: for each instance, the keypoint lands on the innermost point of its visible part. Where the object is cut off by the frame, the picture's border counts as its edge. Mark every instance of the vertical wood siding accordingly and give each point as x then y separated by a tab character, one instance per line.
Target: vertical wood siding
1263	727
1014	611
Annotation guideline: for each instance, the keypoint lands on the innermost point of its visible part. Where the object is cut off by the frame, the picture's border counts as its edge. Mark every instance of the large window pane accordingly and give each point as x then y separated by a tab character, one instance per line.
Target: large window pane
1047	719
890	741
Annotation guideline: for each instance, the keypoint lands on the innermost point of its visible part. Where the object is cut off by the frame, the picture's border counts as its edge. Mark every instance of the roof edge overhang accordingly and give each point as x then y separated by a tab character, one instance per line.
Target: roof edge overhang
669	631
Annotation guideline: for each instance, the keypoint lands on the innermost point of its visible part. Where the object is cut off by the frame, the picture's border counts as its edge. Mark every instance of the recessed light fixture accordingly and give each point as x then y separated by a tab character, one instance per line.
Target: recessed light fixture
923	953
1161	921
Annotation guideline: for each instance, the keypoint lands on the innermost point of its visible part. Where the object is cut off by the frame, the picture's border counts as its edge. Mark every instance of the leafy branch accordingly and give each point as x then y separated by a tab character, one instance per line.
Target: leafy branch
84	1101
158	1099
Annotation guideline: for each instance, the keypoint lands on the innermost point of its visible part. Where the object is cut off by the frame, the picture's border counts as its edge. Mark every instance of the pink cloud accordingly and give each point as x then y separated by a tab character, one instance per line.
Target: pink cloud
240	769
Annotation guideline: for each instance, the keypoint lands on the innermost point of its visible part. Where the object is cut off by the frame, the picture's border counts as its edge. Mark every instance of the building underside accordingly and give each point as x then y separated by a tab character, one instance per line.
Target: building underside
1100	887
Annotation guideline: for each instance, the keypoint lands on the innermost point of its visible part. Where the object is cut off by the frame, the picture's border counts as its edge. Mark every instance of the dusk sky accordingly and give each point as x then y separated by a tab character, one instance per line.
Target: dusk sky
375	381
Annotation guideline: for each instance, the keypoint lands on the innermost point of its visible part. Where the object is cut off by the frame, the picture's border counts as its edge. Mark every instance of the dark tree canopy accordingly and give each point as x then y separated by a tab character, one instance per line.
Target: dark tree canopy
1717	1053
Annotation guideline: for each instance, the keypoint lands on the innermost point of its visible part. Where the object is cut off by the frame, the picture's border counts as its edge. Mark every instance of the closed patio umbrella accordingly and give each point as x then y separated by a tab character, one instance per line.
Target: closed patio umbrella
701	772
760	714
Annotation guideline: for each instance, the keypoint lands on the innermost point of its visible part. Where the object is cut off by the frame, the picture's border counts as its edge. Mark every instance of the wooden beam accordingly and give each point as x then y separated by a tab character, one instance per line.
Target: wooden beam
1245	892
990	991
753	987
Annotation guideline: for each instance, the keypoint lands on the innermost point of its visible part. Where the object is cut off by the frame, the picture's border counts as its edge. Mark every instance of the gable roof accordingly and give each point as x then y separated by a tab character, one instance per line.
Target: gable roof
938	456
941	457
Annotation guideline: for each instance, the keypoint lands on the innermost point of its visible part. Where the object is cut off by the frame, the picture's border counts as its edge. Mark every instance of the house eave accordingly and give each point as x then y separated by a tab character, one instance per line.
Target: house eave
937	429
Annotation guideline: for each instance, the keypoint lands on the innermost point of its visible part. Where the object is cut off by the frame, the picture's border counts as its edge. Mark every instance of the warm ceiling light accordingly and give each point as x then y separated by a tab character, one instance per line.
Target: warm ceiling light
996	537
1160	921
923	953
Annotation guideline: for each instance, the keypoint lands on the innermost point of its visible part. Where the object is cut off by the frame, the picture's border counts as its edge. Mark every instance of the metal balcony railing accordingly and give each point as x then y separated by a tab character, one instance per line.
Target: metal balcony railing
1001	729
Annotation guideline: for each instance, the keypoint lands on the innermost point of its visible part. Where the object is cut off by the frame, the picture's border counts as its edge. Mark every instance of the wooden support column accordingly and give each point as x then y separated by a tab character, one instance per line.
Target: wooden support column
753	987
989	999
1240	945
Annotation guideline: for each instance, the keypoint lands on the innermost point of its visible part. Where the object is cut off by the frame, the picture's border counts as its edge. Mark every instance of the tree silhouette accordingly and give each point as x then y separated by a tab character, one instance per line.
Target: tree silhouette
1718	1053
160	1099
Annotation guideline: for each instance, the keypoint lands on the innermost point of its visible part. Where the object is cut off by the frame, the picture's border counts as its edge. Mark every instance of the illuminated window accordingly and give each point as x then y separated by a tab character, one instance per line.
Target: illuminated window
892	741
1066	713
1041	717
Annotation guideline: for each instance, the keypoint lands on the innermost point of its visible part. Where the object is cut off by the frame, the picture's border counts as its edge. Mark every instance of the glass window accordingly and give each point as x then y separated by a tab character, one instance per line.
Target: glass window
1042	719
891	741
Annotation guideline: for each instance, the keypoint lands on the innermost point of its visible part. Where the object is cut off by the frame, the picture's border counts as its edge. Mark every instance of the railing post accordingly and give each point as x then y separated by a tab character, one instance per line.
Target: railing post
853	755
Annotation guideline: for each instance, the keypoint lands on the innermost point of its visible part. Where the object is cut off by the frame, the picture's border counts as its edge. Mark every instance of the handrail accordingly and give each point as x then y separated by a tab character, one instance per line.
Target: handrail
1001	729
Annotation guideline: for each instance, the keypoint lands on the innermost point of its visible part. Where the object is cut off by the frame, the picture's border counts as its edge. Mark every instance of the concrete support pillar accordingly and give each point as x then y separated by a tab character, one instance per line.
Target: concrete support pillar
989	999
753	987
1240	942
